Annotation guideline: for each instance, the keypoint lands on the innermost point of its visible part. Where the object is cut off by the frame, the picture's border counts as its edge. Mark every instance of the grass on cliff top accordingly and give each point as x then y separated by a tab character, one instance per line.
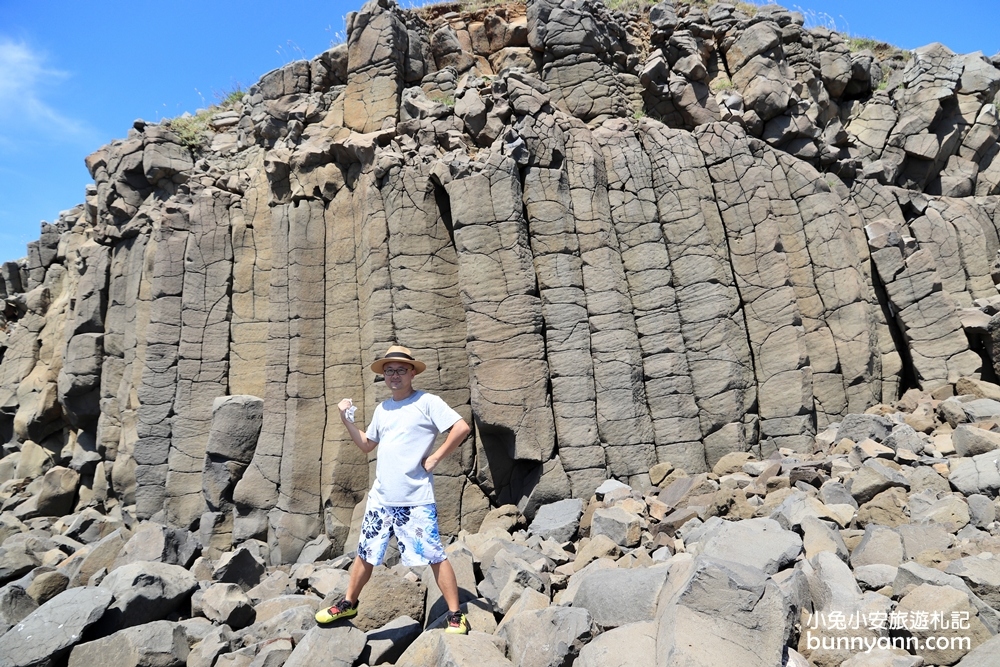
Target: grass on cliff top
192	129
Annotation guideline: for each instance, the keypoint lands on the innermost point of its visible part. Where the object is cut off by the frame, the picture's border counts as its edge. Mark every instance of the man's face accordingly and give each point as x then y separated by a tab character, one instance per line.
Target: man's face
398	376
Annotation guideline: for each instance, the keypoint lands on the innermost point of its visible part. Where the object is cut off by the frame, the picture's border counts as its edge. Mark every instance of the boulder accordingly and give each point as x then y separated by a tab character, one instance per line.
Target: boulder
227	604
631	645
145	592
716	612
617	597
340	647
547	637
45	636
156	644
758	543
557	521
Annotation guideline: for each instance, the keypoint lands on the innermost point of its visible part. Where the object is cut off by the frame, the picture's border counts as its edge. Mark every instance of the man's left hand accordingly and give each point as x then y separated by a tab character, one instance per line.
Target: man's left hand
430	463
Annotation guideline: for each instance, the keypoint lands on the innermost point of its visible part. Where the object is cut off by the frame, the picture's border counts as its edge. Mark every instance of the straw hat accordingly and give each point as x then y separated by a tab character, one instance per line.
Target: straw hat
402	355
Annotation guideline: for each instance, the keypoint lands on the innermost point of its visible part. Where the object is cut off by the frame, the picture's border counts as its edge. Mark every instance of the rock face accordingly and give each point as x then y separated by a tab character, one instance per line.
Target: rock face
618	239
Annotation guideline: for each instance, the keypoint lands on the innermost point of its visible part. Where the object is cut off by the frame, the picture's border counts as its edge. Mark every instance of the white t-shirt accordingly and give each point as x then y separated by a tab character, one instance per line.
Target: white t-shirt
405	432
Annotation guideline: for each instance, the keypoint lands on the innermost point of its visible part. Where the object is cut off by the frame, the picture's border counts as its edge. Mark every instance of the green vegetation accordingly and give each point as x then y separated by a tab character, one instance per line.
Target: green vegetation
192	129
720	84
638	6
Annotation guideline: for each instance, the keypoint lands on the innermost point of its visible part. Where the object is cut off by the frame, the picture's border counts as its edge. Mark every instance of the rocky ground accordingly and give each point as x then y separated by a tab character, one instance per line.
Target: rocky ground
887	532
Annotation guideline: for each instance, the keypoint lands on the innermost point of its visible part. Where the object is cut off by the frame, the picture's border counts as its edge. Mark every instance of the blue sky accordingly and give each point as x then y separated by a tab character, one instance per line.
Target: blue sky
74	75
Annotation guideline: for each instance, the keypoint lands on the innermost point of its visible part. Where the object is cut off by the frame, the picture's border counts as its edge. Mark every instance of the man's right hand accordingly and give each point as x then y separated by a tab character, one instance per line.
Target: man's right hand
344	405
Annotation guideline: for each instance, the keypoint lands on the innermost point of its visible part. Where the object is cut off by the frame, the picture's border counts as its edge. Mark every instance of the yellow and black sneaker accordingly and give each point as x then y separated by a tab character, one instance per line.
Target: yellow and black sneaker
343	609
457	625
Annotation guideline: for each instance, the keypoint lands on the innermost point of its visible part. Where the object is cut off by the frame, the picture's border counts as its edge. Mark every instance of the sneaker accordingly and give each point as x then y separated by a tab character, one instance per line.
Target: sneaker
457	624
342	609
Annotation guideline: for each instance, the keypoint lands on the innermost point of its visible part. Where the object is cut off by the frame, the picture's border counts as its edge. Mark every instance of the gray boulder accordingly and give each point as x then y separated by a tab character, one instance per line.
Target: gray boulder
872	478
620	525
549	637
387	643
558	521
339	647
880	545
227	604
47	634
859	427
156	644
241	567
145	592
437	648
154	542
617	597
982	574
716	612
632	645
972	440
979	474
758	543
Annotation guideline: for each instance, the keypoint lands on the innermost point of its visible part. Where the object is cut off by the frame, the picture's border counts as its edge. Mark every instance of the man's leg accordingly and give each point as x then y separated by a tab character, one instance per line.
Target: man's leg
444	575
361	572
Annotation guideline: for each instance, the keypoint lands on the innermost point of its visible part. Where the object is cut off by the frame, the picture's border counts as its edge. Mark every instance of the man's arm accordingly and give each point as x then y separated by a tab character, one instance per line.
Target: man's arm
359	437
460	430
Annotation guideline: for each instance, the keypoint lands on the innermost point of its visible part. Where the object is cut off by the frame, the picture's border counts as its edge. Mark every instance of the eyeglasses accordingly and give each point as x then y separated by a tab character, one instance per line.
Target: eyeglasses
395	371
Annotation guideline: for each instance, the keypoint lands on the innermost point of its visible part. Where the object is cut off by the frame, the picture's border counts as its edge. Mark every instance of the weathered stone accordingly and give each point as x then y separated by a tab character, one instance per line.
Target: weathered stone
618	597
557	521
145	592
156	644
714	598
548	637
758	543
54	628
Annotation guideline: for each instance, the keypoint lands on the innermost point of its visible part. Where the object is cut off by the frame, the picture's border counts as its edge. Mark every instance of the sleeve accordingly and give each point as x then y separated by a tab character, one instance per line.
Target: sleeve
441	414
372	433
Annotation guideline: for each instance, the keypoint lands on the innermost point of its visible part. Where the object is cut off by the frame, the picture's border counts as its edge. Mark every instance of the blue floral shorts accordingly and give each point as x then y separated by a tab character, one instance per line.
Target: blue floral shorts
416	532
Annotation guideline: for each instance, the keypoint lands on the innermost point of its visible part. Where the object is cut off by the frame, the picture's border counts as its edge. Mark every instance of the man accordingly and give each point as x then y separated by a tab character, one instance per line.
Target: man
401	501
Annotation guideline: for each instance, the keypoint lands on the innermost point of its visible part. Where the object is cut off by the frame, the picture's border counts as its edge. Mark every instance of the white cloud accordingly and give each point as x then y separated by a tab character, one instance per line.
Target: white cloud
24	81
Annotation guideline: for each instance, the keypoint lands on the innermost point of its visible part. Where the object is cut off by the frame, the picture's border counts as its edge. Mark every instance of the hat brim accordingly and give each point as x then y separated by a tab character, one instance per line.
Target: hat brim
418	366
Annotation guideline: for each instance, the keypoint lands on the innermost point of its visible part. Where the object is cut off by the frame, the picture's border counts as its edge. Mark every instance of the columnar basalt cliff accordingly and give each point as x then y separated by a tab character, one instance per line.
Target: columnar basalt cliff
616	238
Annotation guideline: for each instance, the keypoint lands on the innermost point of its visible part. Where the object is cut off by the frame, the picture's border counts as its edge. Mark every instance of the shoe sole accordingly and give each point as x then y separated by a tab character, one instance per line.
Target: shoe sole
330	618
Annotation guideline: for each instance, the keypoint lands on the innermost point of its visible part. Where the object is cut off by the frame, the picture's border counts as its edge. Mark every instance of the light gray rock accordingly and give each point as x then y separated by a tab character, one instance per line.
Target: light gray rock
632	645
982	574
872	478
437	648
971	440
982	511
923	537
880	545
227	604
340	646
713	599
241	567
558	521
620	525
156	644
145	592
759	543
45	636
982	409
979	474
154	542
860	427
617	597
874	577
547	637
215	643
984	655
387	644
